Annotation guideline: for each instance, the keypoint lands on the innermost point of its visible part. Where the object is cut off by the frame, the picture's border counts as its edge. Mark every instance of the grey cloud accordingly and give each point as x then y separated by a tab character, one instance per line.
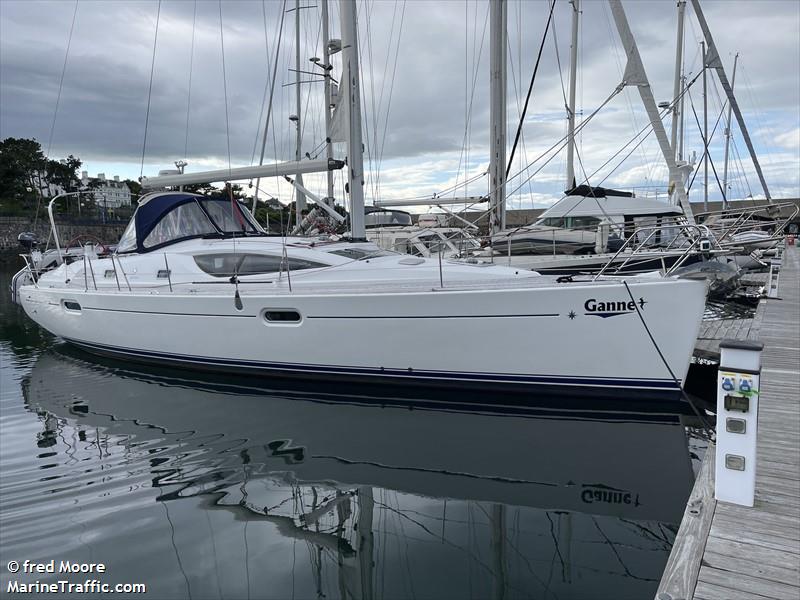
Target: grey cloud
104	99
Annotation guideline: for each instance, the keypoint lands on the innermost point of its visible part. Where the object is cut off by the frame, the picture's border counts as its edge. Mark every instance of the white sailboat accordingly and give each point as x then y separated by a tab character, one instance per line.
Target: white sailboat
196	283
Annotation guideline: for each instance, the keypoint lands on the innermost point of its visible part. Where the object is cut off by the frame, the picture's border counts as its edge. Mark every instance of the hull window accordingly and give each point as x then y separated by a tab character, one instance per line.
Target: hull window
282	316
71	305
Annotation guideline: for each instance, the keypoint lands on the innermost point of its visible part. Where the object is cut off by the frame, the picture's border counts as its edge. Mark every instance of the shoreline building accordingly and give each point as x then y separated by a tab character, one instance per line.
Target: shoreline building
108	193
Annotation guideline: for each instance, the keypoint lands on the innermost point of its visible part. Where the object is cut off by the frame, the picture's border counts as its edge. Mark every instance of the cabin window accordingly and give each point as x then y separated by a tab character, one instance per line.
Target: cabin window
229	218
127	243
226	265
185	220
583	222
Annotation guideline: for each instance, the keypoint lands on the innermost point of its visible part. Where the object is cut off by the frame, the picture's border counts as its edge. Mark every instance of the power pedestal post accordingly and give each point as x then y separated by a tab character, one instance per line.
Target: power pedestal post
737	421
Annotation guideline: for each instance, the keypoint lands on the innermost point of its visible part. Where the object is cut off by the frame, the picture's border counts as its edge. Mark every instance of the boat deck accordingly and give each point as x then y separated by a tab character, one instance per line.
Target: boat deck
729	552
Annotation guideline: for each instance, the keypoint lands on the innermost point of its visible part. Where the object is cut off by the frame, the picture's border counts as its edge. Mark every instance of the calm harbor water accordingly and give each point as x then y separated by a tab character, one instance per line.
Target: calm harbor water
211	488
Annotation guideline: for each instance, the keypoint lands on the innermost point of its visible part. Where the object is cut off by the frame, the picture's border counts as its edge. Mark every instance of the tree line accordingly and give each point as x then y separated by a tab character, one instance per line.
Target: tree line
27	177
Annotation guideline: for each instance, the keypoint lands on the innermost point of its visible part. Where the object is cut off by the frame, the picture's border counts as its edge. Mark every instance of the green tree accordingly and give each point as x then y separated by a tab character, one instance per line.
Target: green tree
64	173
21	166
135	187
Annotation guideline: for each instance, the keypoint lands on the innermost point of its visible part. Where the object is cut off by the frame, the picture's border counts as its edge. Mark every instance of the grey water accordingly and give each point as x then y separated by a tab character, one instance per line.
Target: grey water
204	487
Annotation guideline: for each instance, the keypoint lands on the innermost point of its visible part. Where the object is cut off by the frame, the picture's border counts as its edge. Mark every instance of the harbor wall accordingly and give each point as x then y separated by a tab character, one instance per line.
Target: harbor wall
11	227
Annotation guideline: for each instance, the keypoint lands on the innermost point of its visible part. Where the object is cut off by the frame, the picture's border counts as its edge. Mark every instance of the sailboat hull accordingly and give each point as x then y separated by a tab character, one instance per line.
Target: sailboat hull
601	338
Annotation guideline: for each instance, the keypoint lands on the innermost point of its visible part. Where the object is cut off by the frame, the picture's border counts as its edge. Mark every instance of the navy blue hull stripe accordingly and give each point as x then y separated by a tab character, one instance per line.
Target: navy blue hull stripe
436	316
418	374
178	314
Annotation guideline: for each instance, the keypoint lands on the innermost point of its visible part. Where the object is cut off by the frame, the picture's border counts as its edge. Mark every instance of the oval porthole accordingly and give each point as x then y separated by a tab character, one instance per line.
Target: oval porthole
281	316
71	305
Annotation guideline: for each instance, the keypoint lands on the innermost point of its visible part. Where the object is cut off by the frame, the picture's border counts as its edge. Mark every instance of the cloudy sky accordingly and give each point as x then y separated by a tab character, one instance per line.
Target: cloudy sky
425	89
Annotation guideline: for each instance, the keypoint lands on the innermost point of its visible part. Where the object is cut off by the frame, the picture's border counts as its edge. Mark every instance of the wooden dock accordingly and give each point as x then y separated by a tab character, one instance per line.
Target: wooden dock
729	552
712	332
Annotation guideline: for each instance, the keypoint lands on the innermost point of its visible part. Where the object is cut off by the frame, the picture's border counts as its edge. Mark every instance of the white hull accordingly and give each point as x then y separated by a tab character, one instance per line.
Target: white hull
468	335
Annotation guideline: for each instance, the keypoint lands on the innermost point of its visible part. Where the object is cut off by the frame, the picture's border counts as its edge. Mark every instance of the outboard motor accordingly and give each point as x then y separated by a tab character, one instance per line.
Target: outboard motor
28	240
27	275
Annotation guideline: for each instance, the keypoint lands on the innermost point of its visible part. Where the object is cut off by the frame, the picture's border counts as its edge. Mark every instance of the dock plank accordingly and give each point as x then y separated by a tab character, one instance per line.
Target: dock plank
746	583
683	565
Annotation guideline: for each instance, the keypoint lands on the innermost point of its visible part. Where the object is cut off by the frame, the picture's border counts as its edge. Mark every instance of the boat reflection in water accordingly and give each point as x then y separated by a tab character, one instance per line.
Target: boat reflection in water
211	489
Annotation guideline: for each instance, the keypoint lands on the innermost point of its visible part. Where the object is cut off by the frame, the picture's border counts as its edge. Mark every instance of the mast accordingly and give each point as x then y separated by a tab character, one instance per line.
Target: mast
680	143
728	140
300	199
352	103
715	62
677	99
326	59
573	71
498	16
635	75
704	54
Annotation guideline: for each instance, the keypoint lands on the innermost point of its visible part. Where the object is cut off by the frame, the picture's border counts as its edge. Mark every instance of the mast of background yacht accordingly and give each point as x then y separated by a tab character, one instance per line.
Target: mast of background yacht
728	140
636	76
677	101
573	71
714	62
498	16
326	66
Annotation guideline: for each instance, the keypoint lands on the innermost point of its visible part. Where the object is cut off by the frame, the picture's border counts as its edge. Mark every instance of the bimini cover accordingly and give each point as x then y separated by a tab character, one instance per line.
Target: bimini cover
169	217
596	192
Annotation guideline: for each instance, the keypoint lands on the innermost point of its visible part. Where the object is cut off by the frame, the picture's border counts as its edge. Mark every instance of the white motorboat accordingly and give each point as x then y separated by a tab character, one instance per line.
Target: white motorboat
195	282
394	230
588	220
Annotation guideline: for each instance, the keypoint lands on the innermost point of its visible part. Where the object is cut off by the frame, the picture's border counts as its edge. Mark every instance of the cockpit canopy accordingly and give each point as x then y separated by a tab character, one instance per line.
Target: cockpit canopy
168	217
385	217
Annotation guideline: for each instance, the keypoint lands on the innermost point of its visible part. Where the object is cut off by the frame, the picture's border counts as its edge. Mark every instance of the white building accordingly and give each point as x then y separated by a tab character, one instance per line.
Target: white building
108	193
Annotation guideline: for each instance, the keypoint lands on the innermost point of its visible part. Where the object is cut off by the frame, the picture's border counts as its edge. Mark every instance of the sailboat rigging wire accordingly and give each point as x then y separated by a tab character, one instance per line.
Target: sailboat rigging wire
271	94
464	155
697	412
741	167
519	108
189	95
150	88
566	103
621	70
530	88
266	83
55	112
225	87
391	88
559	144
706	145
